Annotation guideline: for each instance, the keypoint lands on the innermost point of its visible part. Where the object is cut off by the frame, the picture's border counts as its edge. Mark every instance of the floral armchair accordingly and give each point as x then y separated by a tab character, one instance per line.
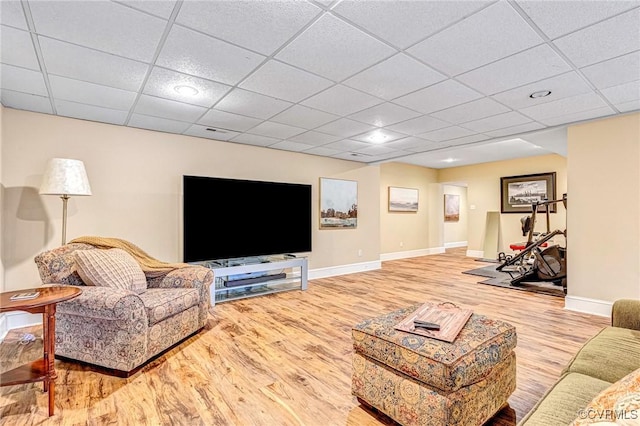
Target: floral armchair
122	328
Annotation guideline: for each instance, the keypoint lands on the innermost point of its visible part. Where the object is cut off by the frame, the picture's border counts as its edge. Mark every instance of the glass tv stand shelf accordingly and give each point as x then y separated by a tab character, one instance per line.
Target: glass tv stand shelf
247	277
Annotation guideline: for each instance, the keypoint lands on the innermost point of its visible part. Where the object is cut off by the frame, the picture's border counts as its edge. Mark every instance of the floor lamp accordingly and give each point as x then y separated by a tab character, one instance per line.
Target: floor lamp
65	177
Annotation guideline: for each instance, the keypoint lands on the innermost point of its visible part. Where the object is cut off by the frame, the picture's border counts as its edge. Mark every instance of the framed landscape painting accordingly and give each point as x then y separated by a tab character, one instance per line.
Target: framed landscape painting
403	199
451	208
518	193
338	203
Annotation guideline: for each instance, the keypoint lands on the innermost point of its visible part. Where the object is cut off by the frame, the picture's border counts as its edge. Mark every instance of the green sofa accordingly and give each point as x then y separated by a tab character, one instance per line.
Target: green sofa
605	359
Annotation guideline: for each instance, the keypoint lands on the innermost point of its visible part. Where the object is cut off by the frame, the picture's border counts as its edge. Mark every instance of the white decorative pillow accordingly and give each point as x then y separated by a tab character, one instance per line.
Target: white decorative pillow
110	268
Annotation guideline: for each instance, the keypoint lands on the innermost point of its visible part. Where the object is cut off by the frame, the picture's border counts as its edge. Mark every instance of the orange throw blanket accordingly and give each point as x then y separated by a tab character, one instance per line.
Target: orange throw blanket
150	266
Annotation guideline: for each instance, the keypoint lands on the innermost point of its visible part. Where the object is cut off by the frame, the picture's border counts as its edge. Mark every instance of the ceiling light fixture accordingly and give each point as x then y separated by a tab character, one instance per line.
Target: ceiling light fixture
540	94
449	160
186	90
378	137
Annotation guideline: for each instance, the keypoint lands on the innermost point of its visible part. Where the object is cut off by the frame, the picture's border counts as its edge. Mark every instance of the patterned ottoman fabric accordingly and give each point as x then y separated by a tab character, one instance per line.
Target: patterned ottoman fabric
481	344
417	380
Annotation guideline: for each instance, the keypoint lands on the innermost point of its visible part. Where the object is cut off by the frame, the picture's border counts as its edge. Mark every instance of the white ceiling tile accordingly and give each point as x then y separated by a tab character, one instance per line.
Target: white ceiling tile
158	124
334	49
302	116
228	121
257	140
353	156
22	80
90	93
439	96
90	112
411	143
259	26
491	34
605	40
322	151
419	125
624	93
284	82
404	23
161	8
16	48
384	114
370	136
292	146
347	145
164	108
522	128
614	71
19	100
341	100
447	133
496	122
344	128
202	132
473	110
162	83
556	18
376	150
132	34
252	104
394	77
629	106
90	65
561	86
315	138
276	130
564	106
466	140
191	53
11	14
578	116
522	68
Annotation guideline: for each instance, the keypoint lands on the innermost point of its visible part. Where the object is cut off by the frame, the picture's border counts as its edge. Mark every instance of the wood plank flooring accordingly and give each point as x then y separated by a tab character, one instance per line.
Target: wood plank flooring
285	359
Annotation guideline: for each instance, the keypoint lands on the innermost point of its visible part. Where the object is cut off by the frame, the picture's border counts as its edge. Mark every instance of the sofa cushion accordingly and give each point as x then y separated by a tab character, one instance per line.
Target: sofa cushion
110	268
162	303
620	401
58	265
561	403
610	355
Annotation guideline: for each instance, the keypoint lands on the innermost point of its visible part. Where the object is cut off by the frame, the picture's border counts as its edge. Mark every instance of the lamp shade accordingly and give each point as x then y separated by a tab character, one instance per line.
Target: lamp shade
65	176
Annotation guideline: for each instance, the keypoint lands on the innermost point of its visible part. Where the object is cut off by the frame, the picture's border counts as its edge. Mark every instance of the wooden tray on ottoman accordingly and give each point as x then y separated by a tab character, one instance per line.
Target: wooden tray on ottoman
450	317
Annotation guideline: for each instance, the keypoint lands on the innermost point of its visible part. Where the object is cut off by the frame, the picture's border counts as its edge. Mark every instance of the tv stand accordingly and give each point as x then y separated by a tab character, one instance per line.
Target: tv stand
272	277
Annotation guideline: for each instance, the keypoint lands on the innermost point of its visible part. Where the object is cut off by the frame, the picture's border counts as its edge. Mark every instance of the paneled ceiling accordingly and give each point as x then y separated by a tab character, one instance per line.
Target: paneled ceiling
434	83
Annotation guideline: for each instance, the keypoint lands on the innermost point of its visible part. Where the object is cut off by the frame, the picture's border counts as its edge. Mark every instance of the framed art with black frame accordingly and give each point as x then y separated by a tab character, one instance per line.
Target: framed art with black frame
517	193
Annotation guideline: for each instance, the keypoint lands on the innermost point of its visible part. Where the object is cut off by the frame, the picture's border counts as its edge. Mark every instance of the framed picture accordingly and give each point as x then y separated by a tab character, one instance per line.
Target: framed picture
403	199
517	193
451	208
338	203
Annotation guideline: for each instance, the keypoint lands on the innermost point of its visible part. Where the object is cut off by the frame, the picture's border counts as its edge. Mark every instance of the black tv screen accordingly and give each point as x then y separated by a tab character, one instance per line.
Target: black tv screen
231	218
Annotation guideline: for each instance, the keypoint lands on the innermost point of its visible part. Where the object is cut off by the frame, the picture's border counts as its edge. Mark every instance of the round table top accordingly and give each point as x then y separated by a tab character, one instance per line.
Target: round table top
47	296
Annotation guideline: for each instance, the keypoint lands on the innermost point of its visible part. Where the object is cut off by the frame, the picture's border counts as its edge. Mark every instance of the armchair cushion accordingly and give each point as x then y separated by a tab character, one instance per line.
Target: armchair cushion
162	303
113	268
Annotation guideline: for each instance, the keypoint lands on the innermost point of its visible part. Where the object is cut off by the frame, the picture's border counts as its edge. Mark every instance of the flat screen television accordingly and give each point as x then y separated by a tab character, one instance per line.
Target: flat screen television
233	218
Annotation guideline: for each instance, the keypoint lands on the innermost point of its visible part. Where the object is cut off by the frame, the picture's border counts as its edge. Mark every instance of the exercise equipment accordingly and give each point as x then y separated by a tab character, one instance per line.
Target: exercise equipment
537	261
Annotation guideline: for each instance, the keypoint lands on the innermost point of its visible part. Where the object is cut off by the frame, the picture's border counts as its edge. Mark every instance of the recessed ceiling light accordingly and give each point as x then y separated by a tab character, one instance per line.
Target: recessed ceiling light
540	94
378	137
186	90
449	160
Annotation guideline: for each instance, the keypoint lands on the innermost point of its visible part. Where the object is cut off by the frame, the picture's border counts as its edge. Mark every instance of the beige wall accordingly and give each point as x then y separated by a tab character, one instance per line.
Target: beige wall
456	232
405	231
603	253
136	181
1	204
483	195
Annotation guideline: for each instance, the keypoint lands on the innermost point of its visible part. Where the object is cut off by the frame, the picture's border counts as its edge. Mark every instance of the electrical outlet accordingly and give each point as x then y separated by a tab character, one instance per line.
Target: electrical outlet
401	244
359	252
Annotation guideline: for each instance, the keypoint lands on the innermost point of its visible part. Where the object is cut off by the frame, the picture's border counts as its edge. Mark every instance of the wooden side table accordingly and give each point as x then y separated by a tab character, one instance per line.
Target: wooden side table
42	369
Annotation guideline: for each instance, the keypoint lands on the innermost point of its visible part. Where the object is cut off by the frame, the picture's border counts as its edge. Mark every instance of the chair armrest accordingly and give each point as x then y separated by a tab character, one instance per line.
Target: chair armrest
626	314
105	303
188	277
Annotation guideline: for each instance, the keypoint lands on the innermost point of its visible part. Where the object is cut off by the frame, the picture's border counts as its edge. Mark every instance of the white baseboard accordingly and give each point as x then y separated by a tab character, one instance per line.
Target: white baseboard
19	320
411	253
455	244
333	271
588	306
475	253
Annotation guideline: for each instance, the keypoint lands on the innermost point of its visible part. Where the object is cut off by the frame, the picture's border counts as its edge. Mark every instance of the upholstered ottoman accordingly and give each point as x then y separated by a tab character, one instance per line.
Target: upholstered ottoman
417	380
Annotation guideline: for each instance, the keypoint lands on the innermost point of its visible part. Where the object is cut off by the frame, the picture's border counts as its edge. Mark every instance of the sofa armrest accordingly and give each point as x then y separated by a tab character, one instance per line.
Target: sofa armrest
105	303
626	314
188	277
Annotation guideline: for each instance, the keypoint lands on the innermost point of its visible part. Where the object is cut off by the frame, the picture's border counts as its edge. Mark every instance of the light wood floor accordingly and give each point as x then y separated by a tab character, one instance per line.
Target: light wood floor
285	359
